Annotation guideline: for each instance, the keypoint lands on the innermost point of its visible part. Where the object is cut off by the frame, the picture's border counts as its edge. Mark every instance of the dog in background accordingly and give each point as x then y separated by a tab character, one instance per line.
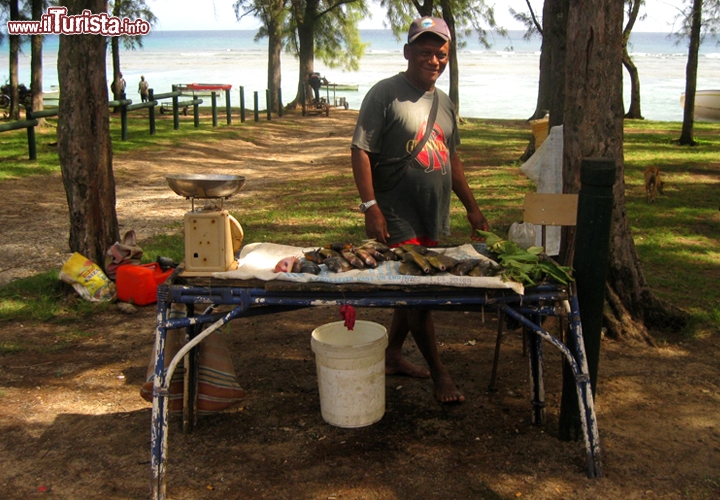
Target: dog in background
653	183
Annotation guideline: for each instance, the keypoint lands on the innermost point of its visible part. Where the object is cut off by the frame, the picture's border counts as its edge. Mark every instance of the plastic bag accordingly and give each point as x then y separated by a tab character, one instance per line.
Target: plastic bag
88	280
522	234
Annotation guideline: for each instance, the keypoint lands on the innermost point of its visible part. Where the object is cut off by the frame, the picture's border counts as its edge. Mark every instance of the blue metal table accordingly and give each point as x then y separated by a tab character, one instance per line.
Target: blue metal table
254	297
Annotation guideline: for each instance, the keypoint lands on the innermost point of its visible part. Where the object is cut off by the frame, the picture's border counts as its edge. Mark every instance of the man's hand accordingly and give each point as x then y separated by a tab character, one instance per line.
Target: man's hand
477	221
375	225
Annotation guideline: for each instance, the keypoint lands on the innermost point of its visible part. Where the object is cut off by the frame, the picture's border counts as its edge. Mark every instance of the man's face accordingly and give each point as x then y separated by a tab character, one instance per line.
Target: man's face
427	58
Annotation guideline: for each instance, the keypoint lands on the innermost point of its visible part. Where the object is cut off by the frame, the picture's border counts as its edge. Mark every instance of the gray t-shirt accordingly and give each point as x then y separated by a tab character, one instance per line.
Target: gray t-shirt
392	119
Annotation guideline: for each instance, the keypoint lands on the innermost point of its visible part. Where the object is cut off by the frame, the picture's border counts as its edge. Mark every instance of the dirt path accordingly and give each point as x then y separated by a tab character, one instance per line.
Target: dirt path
74	425
34	215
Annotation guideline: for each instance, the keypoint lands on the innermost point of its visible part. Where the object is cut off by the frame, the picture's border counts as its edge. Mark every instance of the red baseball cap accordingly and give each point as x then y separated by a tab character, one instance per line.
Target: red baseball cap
433	25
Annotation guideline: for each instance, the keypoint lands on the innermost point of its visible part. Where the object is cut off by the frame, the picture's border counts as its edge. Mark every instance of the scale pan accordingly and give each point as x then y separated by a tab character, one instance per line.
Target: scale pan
205	186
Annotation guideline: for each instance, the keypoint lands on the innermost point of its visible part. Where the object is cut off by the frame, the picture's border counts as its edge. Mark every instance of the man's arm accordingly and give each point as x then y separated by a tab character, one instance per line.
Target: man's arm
375	224
462	190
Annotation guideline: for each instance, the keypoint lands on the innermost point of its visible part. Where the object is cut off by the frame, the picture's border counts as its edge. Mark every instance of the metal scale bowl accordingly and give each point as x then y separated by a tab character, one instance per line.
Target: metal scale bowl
212	235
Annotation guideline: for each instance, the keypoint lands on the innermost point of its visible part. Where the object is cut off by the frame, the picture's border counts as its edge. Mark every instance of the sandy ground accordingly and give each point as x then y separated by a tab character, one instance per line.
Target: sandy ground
74	426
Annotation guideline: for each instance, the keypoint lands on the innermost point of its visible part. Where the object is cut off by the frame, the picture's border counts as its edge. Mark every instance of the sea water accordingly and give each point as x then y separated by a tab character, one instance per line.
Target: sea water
496	82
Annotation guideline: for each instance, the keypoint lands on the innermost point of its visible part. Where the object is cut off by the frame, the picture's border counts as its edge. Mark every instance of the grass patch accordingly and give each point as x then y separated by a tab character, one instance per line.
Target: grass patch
14	144
676	237
44	298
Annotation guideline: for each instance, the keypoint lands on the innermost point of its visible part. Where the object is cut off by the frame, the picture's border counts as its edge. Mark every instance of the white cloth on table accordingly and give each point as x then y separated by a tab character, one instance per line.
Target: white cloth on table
258	260
544	168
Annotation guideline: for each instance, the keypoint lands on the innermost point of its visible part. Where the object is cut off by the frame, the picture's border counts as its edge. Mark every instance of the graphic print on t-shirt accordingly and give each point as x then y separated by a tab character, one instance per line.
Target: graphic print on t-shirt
435	154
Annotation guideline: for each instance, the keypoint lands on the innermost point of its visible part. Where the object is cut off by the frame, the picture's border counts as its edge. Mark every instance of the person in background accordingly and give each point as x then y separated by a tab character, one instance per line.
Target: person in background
315	81
416	208
118	86
143	87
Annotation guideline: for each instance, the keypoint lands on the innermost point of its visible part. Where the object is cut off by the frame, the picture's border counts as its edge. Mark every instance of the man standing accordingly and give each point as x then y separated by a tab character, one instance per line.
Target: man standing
405	193
143	87
118	87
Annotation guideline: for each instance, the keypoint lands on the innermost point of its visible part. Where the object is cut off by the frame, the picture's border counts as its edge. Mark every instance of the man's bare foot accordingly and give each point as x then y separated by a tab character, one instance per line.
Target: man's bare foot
402	366
445	390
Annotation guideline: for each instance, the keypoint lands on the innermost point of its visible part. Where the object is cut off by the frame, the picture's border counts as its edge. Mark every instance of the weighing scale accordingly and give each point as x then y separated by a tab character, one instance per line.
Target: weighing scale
212	235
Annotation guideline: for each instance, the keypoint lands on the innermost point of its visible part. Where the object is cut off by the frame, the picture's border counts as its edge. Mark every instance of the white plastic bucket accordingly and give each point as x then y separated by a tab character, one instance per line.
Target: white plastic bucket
351	372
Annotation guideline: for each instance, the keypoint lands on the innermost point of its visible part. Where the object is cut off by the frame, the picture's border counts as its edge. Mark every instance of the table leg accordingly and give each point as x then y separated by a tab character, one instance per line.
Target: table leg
537	376
496	357
578	364
586	401
190	386
158	435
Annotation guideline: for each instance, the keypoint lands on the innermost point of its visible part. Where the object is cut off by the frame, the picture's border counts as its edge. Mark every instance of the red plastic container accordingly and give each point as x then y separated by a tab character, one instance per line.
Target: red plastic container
138	284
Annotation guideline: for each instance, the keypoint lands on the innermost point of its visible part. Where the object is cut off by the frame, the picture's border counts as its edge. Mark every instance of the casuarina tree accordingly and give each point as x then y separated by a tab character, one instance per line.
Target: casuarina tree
83	134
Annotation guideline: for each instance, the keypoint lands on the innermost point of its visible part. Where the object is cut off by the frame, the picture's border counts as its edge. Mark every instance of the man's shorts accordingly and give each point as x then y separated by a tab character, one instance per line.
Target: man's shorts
421	240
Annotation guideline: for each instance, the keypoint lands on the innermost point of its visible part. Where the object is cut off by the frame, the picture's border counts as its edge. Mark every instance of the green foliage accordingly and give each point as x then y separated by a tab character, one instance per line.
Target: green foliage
334	29
710	19
133	9
524	266
471	17
337	37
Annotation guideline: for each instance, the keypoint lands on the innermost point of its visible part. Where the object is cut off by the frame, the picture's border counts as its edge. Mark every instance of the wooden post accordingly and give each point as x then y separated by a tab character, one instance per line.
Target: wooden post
242	104
592	242
151	111
196	112
267	103
213	102
32	147
255	99
228	111
123	122
176	116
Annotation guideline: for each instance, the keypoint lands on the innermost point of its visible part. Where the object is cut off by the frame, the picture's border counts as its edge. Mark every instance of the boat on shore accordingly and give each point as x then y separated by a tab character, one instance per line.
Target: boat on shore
707	104
347	87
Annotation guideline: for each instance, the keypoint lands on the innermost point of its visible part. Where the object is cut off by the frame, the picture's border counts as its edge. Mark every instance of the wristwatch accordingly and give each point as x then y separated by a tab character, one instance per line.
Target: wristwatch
365	206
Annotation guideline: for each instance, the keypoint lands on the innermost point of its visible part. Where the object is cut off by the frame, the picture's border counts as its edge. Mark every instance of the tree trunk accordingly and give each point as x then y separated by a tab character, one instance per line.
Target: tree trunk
14	55
542	107
84	145
634	109
454	91
36	66
686	135
594	128
557	30
551	84
306	41
115	51
118	93
274	64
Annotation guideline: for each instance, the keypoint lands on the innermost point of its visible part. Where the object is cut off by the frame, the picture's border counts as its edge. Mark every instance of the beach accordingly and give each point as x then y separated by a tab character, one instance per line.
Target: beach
496	82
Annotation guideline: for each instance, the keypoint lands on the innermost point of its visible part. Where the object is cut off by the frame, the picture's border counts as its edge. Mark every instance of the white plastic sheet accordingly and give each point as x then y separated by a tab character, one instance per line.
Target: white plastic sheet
544	168
257	261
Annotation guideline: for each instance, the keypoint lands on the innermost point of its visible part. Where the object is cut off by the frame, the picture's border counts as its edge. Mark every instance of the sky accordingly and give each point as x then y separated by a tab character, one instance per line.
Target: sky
219	15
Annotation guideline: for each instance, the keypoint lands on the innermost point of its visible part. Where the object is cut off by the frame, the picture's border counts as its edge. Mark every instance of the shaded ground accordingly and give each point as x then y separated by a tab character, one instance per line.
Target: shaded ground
73	422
